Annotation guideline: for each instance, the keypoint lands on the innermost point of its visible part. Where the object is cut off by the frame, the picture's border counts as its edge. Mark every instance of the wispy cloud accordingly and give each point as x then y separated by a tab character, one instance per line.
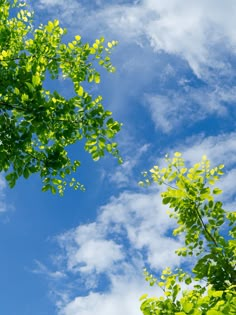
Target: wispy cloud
187	105
3	204
65	11
123	175
45	271
220	149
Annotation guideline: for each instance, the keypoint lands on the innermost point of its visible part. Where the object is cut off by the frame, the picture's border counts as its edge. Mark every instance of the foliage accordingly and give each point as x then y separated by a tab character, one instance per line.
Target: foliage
209	235
37	125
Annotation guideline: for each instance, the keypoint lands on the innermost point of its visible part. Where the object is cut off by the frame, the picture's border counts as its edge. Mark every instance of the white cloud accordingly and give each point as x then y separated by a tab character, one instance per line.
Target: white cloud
52	2
166	112
65	11
98	255
227	184
43	269
139	222
3	204
134	217
220	149
122	299
88	250
189	29
187	105
58	3
143	218
123	174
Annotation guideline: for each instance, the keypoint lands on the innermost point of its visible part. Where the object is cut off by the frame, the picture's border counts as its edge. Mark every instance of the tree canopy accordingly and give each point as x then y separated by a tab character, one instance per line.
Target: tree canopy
209	232
38	125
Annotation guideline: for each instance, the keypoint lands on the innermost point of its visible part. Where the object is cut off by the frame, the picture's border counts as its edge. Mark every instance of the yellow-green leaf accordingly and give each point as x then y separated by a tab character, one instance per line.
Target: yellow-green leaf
78	38
80	91
143	297
217	191
24	97
187	306
4	53
36	80
97	78
50	26
71	46
214	312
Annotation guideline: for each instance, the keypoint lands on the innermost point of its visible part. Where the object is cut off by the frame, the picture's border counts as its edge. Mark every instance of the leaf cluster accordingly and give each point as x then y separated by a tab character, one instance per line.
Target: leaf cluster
191	196
38	125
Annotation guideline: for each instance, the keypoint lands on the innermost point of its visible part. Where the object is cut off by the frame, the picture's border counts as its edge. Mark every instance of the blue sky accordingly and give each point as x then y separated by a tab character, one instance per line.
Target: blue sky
174	90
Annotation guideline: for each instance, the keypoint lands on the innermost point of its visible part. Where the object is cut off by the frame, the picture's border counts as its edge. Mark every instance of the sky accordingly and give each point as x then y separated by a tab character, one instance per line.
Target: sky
174	90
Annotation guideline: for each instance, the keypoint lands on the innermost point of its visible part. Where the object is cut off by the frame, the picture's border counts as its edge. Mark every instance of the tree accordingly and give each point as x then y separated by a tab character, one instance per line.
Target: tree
37	125
209	234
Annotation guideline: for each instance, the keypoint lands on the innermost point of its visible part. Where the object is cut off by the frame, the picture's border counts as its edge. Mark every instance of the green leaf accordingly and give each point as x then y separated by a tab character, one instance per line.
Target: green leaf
110	134
4	53
91	142
56	181
71	46
188	281
80	91
177	154
56	23
166	200
187	306
46	187
95	156
143	297
36	80
97	78
17	91
26	172
109	147
50	27
217	191
53	189
92	51
214	312
24	97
